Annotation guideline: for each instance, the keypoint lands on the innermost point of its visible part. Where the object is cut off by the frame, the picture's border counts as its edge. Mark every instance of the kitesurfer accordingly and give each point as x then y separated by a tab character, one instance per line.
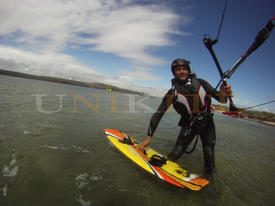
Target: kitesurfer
191	98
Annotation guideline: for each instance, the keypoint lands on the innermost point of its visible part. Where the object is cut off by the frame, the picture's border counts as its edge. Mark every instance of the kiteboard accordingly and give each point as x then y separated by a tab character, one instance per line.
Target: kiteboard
155	163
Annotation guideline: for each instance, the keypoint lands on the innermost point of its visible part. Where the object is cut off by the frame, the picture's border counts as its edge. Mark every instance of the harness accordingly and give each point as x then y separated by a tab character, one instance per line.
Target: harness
190	97
185	96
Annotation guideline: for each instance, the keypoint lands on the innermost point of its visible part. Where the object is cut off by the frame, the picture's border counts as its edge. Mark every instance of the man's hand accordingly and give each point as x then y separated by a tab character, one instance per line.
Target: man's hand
226	90
144	144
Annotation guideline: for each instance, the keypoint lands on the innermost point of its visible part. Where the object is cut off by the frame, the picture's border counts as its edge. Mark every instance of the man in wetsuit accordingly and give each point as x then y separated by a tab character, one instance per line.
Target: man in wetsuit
191	98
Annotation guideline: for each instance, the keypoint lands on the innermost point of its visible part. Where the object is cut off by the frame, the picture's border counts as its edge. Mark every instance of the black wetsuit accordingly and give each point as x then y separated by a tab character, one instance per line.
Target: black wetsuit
192	100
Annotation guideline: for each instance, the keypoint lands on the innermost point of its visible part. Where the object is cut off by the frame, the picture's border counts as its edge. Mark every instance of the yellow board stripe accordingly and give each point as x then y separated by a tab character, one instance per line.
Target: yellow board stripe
170	172
131	154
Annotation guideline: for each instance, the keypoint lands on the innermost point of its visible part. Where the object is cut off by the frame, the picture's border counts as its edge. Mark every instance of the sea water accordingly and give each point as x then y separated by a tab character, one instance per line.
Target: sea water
53	151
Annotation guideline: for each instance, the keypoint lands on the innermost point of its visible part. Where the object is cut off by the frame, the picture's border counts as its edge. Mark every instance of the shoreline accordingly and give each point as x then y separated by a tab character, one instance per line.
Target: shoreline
251	119
95	85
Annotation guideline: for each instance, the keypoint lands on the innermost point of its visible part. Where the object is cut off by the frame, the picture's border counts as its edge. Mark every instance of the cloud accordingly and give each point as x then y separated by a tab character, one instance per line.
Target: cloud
50	64
63	66
120	27
40	31
140	74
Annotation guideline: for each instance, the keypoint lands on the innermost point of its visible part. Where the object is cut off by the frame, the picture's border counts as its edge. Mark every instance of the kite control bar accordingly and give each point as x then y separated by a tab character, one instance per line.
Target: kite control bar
259	40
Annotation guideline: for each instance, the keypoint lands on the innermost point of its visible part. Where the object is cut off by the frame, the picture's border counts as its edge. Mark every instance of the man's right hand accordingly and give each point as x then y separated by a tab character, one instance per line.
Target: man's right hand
144	144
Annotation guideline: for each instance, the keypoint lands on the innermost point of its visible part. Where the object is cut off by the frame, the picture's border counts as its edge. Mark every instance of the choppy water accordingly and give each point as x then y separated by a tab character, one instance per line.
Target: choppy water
56	153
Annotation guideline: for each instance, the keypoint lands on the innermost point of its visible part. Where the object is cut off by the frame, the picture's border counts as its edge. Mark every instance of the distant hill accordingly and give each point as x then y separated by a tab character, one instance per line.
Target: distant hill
259	116
67	81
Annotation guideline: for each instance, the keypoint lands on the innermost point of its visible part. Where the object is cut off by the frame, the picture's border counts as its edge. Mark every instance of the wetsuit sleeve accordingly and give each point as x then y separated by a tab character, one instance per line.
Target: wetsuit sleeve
212	92
166	102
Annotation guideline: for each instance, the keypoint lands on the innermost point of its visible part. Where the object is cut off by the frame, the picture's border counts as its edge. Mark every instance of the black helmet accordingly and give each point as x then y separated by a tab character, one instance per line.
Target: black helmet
181	62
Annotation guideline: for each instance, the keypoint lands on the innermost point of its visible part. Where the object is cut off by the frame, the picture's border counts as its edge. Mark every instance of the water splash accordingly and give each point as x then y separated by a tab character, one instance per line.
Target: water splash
10	170
4	190
82	180
81	201
74	148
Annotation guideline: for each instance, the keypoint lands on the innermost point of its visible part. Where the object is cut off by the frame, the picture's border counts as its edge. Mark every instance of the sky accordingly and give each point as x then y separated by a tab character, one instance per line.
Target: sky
131	43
